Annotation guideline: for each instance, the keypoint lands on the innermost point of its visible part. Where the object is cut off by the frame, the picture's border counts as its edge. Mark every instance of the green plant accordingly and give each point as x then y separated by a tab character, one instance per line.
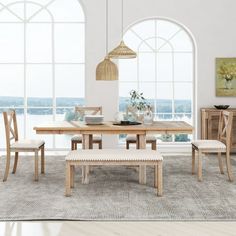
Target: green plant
138	101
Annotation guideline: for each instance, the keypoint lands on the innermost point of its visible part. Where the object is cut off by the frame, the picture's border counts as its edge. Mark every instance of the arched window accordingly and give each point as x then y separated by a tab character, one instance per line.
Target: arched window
163	70
41	62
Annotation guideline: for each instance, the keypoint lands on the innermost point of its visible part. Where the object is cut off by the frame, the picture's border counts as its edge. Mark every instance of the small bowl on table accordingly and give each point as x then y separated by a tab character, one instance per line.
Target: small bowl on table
221	107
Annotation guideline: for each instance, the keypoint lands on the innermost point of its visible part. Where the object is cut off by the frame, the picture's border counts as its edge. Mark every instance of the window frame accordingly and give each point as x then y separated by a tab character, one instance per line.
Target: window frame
52	63
194	66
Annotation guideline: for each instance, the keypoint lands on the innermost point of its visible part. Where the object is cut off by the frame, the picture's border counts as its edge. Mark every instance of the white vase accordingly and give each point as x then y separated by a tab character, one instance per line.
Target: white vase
148	117
228	83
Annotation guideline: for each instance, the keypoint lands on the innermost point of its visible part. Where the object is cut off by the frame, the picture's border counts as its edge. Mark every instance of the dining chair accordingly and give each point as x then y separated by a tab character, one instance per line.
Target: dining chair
132	139
82	111
222	145
149	140
13	144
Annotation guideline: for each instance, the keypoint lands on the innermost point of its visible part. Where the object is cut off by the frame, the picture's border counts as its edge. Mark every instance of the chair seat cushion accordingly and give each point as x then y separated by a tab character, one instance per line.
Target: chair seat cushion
79	138
113	155
27	144
209	144
133	138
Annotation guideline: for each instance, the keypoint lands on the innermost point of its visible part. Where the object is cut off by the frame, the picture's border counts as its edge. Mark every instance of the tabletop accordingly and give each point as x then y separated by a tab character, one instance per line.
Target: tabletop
72	127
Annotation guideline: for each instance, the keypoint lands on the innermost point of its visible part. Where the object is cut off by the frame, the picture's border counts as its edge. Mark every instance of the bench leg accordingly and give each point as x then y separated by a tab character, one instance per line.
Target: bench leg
68	179
159	179
155	176
36	166
142	174
85	174
199	166
141	140
193	161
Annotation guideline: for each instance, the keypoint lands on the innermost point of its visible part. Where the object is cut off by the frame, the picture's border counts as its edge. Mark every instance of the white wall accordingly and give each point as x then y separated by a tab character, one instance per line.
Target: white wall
212	23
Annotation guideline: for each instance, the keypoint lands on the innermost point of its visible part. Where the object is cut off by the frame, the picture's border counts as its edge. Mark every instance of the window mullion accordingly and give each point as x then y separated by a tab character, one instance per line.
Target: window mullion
53	79
25	71
173	89
156	53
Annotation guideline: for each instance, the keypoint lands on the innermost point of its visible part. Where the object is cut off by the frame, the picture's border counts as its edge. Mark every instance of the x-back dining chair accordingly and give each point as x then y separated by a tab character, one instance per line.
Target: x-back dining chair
222	145
82	111
13	144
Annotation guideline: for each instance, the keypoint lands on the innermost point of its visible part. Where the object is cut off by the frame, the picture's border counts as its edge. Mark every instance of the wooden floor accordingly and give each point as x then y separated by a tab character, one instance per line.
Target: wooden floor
72	228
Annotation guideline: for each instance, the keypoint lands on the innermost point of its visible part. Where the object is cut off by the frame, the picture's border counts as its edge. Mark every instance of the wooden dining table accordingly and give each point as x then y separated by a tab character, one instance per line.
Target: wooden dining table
109	127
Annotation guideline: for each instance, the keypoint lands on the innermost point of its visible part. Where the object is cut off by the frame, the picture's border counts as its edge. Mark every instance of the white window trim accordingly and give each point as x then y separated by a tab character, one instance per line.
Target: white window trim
25	21
194	65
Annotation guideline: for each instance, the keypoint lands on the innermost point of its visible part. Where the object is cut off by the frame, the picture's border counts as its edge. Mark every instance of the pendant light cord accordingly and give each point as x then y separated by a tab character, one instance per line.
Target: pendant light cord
106	27
122	18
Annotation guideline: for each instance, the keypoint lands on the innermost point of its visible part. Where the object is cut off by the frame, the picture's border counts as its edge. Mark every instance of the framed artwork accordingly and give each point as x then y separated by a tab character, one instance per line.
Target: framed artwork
225	77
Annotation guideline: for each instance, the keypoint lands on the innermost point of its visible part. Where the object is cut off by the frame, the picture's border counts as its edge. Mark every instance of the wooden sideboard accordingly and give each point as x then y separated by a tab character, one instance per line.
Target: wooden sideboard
210	122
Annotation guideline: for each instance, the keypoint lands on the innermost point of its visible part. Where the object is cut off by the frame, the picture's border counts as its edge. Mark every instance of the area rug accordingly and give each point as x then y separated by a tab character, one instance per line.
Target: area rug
114	193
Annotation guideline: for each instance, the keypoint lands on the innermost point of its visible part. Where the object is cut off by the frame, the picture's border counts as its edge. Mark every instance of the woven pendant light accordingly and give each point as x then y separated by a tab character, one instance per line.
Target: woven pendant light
122	51
106	70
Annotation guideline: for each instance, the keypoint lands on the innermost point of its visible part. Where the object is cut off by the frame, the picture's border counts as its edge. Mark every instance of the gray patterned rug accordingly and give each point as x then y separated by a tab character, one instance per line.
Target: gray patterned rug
114	193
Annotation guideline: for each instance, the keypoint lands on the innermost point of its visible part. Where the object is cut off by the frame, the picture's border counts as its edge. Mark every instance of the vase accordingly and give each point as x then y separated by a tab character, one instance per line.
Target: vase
148	117
118	117
228	83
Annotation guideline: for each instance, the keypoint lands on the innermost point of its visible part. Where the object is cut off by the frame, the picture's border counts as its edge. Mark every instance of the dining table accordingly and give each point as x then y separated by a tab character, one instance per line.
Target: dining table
112	128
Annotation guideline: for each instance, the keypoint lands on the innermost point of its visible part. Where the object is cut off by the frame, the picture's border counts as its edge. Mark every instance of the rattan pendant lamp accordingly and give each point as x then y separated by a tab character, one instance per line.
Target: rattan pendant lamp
106	70
122	51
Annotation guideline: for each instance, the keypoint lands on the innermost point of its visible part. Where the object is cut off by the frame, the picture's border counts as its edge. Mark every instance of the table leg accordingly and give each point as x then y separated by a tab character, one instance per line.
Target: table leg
142	168
90	147
85	169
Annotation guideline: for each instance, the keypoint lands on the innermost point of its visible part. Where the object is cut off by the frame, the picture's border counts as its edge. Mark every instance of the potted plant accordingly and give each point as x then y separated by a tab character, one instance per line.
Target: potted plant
137	106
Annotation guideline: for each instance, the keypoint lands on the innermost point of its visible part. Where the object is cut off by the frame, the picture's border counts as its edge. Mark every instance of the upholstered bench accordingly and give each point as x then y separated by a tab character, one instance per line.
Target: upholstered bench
112	157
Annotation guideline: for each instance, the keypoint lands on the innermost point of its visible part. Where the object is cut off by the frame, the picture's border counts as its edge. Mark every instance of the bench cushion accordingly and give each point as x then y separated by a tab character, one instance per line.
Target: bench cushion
114	155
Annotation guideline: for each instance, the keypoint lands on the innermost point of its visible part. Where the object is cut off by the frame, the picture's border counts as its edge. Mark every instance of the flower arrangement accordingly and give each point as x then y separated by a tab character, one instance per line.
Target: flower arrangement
138	101
227	70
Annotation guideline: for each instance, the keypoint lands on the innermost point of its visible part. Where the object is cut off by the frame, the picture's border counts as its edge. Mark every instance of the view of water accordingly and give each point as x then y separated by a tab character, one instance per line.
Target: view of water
44	114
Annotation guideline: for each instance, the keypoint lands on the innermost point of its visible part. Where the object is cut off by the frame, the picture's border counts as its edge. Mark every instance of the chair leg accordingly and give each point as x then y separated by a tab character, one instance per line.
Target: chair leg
137	142
75	145
36	166
15	162
42	160
193	161
228	164
127	144
100	144
154	145
220	163
199	166
8	160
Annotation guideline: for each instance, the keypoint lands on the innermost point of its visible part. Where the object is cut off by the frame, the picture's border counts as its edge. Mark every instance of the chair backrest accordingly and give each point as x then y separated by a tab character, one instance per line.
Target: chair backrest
82	111
11	129
225	128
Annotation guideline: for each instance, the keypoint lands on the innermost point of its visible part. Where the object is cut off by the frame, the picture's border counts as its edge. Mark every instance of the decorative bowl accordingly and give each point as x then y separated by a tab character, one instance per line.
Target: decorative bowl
223	107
